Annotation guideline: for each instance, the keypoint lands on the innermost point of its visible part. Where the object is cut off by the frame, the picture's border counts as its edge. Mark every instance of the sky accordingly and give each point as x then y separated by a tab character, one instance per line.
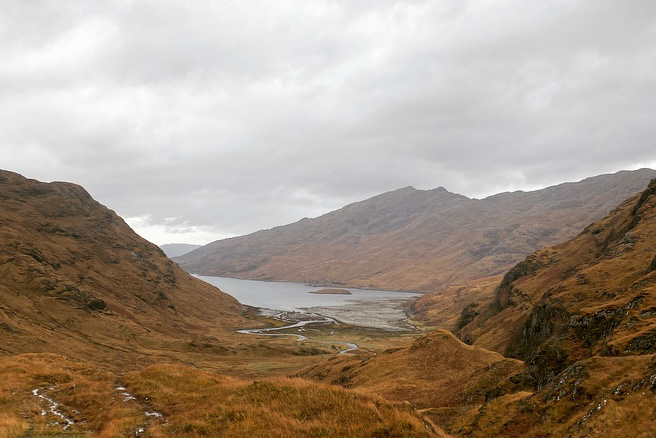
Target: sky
202	120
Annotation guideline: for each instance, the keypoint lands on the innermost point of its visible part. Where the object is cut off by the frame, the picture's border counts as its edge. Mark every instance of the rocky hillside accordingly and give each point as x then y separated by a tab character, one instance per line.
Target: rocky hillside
593	295
576	324
418	240
77	280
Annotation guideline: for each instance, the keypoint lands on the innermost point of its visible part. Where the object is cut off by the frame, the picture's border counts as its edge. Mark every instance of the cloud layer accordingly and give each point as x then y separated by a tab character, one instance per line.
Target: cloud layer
201	120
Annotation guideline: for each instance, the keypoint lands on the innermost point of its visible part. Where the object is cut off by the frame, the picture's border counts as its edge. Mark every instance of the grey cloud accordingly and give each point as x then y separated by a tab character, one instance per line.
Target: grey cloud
211	119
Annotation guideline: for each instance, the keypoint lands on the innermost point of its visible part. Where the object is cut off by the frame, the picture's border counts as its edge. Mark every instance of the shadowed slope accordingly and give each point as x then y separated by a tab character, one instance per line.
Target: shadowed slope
597	397
417	240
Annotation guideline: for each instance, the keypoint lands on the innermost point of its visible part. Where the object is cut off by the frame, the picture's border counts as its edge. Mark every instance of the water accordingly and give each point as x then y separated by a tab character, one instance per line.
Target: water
368	308
295	296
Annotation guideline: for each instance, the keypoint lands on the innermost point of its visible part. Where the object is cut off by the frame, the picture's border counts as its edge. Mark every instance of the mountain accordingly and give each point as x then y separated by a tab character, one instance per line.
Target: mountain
576	324
582	315
412	239
178	249
88	313
593	295
77	280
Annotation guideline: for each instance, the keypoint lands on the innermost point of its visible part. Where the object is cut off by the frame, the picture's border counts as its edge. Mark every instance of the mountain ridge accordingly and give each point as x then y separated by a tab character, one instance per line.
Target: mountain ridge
410	239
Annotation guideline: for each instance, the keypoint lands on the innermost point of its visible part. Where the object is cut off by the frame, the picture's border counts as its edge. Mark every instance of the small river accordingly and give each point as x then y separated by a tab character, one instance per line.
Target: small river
366	308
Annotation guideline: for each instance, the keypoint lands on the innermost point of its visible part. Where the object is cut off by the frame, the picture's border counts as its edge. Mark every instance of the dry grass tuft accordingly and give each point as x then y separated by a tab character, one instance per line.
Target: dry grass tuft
193	404
197	403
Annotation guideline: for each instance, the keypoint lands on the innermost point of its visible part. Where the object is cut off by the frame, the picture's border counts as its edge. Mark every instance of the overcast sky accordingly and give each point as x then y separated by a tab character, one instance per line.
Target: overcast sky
198	120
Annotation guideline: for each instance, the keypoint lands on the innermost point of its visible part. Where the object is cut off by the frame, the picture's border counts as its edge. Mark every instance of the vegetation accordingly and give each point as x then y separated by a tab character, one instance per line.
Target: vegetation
564	343
174	400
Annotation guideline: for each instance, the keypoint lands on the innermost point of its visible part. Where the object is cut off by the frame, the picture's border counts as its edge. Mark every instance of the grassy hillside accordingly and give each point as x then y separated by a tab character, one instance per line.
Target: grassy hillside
593	295
77	280
437	373
596	397
175	400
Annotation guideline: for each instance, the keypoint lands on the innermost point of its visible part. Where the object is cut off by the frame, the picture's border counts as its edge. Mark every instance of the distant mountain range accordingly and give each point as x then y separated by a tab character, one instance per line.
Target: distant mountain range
422	240
178	249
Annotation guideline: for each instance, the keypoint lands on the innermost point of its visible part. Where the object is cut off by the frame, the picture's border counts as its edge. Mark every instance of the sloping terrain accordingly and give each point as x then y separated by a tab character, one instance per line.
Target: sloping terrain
49	395
596	397
411	239
593	295
77	280
580	316
436	372
444	308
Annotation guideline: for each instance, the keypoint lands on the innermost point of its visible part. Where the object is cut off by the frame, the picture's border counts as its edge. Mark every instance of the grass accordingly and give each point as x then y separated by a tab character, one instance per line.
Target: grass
194	403
11	426
197	403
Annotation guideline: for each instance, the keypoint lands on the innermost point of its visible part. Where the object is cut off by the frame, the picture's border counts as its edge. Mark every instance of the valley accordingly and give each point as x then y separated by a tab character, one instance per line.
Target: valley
103	335
328	219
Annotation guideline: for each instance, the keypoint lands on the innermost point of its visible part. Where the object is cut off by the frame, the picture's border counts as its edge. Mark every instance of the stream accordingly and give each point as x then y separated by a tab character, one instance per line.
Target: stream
54	408
286	316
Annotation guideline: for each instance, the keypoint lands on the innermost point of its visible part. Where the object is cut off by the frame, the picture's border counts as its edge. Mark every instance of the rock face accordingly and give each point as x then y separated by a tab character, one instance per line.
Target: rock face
77	280
594	295
417	240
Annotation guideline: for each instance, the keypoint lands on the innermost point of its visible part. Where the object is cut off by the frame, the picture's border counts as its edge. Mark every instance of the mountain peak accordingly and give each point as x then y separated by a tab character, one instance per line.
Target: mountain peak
417	239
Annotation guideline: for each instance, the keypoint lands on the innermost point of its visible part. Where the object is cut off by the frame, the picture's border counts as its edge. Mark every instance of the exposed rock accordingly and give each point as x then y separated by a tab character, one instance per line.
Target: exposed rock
652	266
643	344
589	296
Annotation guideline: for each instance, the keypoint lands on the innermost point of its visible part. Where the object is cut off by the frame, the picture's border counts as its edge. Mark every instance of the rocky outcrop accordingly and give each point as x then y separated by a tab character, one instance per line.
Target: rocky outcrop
589	296
652	266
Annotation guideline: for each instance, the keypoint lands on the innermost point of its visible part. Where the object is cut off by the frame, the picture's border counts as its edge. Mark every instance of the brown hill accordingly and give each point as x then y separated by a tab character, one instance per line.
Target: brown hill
436	372
444	308
417	240
593	295
582	315
77	280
